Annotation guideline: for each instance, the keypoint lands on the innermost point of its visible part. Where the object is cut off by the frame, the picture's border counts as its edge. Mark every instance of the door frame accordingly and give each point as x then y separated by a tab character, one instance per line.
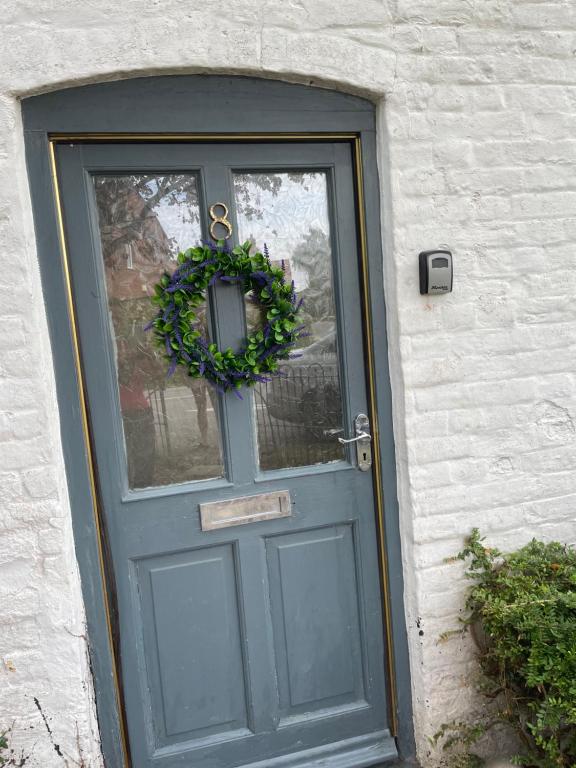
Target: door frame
263	111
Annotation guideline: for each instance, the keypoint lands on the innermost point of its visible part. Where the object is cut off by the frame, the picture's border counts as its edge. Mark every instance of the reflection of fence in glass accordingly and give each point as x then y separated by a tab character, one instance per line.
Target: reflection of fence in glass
299	417
298	420
186	439
158	402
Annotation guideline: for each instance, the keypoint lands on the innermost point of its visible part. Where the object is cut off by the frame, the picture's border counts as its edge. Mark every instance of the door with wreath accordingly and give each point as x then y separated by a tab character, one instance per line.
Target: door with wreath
241	524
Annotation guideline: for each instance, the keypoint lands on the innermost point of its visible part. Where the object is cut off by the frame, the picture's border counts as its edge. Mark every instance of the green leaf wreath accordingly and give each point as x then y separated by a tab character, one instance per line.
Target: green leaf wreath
178	332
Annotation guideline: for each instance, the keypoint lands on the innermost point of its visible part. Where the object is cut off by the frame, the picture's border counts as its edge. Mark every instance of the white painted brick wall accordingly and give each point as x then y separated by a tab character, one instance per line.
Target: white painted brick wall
477	119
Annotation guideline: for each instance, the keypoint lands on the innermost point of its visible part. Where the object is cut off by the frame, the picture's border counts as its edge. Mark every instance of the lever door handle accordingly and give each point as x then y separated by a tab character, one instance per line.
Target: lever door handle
360	436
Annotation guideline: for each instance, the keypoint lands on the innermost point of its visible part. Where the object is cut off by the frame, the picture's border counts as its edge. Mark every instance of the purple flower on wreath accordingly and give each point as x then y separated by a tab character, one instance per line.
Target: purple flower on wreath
169	309
172	367
263	278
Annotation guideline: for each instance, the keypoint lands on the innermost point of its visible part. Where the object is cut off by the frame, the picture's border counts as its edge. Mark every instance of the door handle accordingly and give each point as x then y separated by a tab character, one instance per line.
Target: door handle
361	436
363	439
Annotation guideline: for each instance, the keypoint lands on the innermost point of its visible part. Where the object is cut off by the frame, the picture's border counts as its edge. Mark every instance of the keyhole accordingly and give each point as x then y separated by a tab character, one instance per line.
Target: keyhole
364	456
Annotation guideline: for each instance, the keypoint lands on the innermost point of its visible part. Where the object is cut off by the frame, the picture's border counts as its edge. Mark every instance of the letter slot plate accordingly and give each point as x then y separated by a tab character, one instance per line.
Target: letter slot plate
247	509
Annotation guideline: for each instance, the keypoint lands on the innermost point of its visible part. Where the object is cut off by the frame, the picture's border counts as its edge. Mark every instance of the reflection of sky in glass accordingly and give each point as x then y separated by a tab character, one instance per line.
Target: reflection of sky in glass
291	211
174	212
175	221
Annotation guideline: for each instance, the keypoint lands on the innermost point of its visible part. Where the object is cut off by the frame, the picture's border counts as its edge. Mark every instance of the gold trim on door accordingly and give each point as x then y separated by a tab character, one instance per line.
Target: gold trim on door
355	142
88	446
199	137
377	472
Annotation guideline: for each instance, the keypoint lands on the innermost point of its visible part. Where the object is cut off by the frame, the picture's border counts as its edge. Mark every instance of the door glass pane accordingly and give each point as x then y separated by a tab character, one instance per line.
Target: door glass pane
299	415
170	424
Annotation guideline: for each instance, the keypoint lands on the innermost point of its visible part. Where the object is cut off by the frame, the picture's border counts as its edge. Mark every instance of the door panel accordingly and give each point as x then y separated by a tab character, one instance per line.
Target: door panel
316	624
198	670
259	643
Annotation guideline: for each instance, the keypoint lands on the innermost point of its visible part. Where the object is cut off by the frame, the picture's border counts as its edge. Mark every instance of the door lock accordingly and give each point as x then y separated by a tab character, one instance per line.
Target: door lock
363	439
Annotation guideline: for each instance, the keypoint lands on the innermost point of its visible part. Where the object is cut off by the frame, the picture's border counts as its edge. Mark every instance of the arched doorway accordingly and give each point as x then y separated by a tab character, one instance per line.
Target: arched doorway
245	609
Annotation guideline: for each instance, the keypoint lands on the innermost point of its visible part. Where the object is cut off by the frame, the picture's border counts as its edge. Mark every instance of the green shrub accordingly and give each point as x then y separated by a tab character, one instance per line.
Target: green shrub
522	610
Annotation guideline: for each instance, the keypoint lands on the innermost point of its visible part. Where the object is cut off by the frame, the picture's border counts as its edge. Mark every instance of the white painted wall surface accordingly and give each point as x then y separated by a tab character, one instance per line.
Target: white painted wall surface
477	109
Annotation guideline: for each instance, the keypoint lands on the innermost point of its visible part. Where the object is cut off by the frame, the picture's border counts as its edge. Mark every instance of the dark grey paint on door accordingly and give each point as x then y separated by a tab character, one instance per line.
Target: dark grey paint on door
260	642
258	576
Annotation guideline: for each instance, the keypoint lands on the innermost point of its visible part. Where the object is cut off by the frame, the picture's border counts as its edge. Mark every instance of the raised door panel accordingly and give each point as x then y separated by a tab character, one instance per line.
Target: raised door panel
192	645
317	637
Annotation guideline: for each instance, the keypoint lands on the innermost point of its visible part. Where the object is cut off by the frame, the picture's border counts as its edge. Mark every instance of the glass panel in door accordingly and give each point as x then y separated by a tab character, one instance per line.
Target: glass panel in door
170	425
298	414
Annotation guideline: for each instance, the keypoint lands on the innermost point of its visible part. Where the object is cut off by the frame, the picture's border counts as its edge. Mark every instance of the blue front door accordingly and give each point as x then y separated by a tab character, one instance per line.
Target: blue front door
242	532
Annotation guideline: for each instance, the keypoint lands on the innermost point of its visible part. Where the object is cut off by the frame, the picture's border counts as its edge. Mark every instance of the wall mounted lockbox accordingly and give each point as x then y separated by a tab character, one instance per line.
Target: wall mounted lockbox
435	271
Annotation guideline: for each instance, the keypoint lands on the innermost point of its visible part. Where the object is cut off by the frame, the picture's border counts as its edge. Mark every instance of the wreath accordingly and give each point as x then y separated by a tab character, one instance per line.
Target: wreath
176	327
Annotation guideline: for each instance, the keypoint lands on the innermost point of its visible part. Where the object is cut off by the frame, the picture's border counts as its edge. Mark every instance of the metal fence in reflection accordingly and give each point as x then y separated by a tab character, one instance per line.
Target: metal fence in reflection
158	402
299	417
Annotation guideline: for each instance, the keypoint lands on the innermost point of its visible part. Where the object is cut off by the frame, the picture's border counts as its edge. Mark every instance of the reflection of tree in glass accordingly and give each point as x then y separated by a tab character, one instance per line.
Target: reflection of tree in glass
134	212
138	195
313	256
115	193
136	250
